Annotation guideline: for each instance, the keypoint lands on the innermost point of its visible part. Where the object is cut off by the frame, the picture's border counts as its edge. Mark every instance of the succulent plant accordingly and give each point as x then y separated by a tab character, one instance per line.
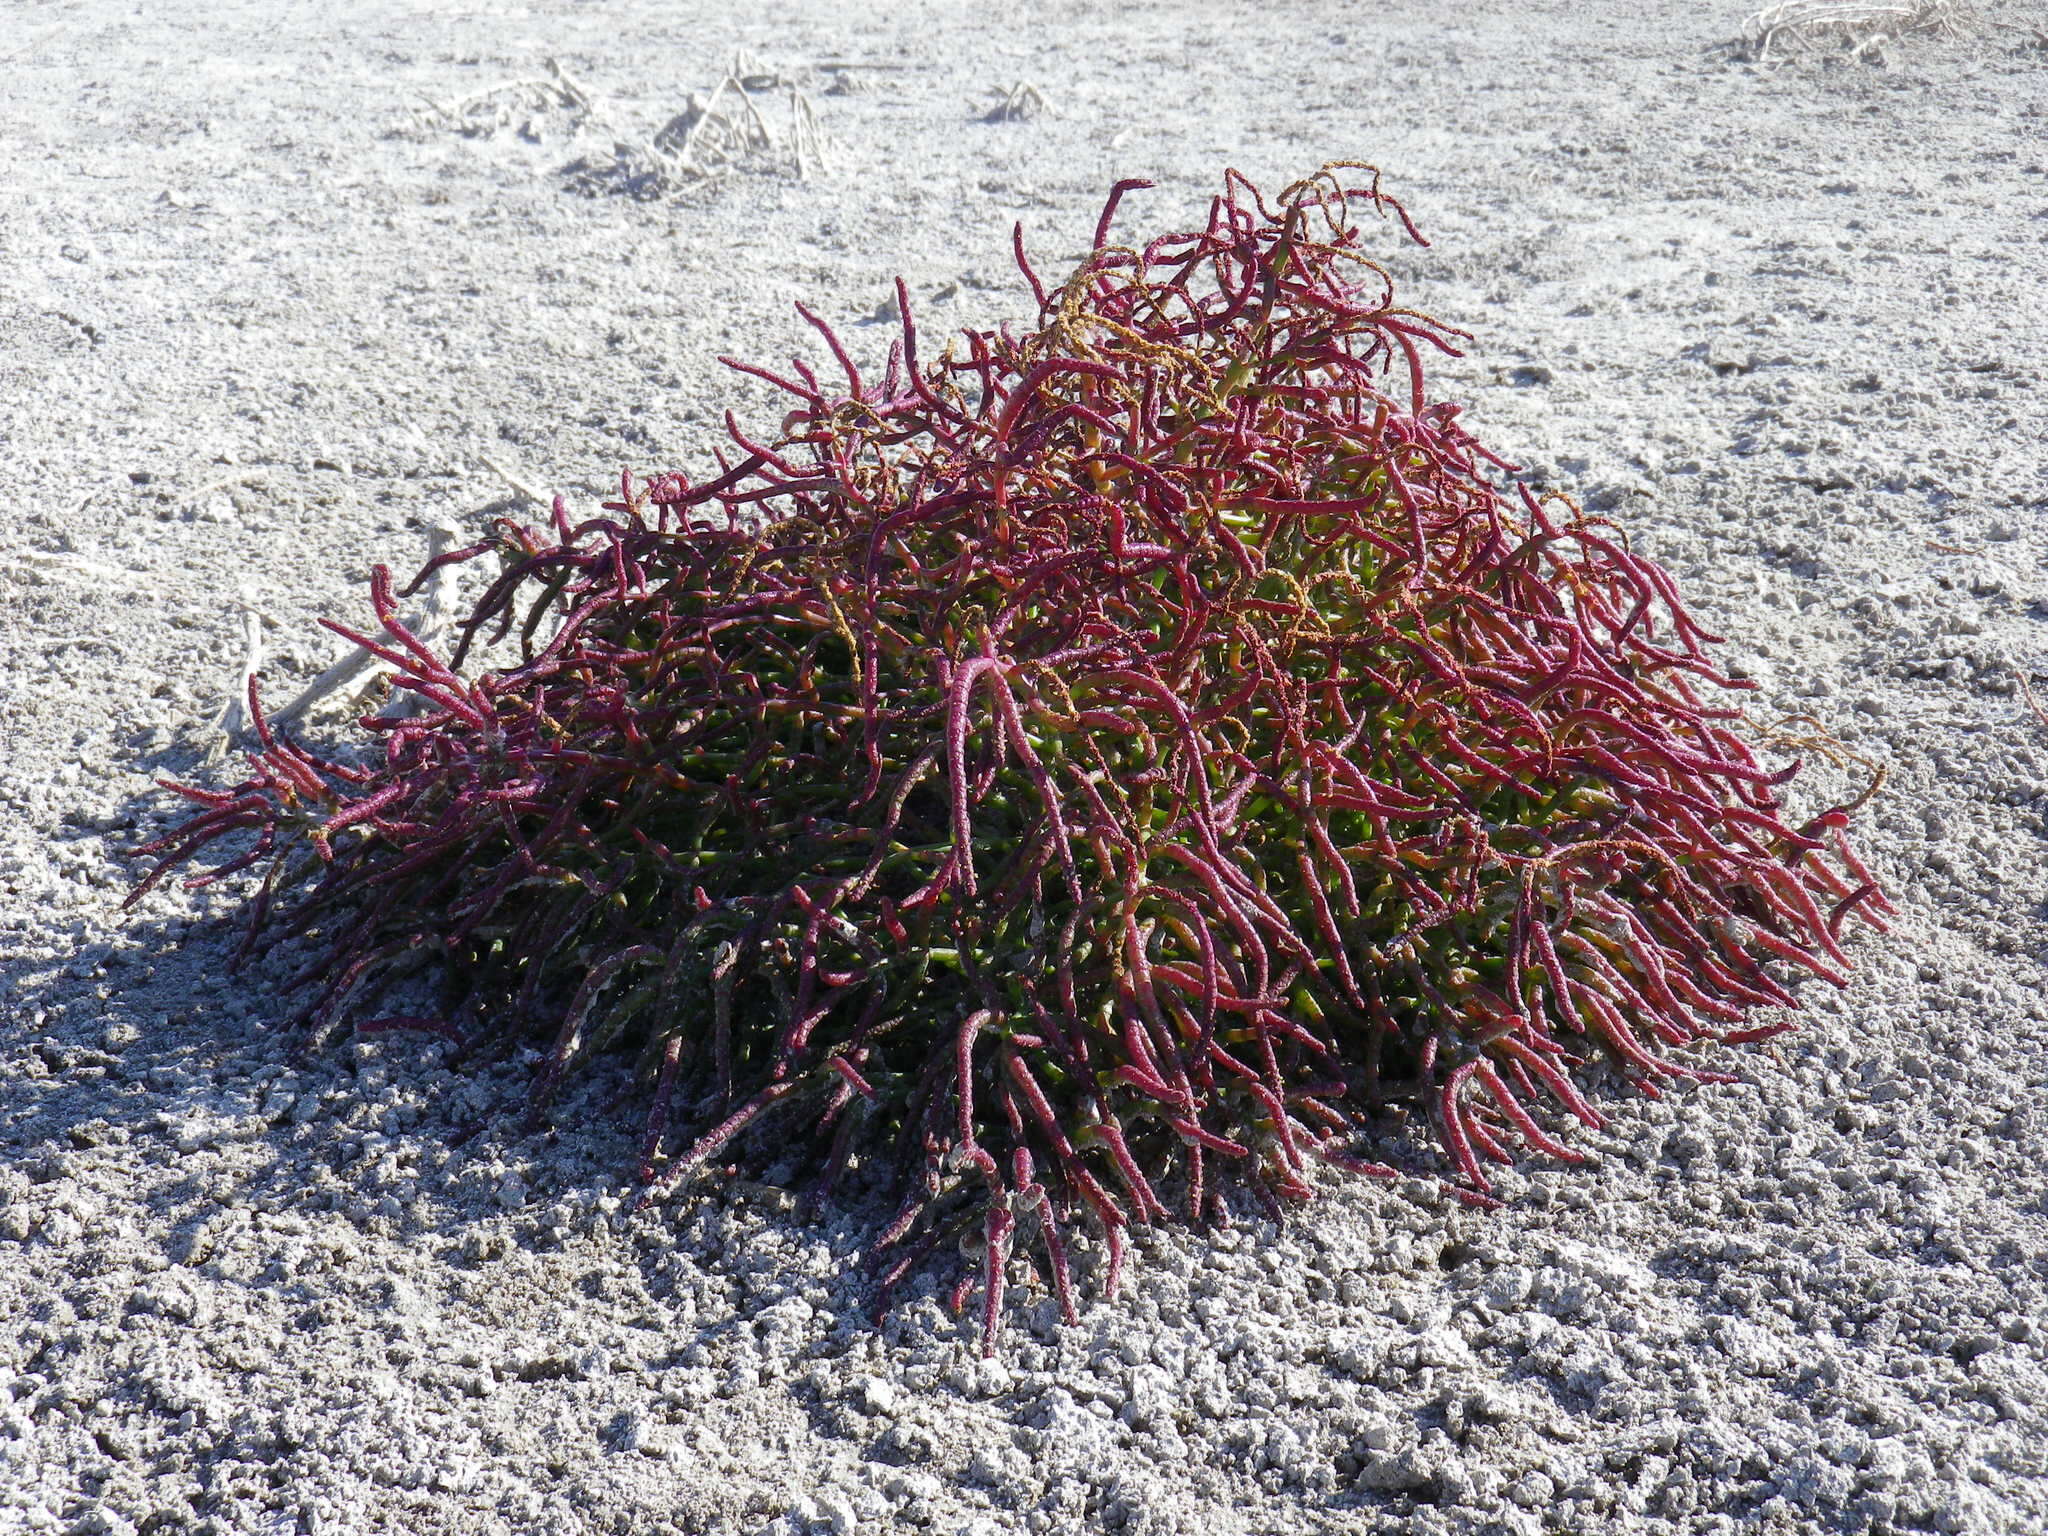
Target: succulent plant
1081	771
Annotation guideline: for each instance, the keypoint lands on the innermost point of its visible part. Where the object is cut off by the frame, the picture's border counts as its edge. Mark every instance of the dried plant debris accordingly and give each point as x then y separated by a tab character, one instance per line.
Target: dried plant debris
753	74
1073	777
514	103
1793	26
233	718
1021	103
856	77
806	140
713	136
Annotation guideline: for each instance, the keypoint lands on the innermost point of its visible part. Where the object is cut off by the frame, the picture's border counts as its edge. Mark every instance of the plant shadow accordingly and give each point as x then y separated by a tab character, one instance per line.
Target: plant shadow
139	1058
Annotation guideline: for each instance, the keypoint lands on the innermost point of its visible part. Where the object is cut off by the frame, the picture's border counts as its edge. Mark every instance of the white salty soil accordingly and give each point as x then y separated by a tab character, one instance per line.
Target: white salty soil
263	317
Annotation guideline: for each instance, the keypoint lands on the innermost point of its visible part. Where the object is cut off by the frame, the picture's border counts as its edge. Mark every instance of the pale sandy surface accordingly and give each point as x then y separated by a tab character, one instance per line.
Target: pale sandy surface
259	326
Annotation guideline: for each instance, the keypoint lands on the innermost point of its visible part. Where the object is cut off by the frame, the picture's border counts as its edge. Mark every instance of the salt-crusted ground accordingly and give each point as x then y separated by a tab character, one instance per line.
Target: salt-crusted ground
263	316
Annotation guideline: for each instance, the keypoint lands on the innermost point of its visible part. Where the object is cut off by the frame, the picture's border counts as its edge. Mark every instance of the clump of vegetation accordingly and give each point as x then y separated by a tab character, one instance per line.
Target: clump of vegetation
1859	26
1078	772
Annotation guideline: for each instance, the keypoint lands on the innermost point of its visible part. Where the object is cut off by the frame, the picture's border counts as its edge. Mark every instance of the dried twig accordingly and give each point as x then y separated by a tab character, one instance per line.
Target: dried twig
520	486
2027	692
493	107
226	727
241	477
752	74
352	676
61	563
806	142
41	40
